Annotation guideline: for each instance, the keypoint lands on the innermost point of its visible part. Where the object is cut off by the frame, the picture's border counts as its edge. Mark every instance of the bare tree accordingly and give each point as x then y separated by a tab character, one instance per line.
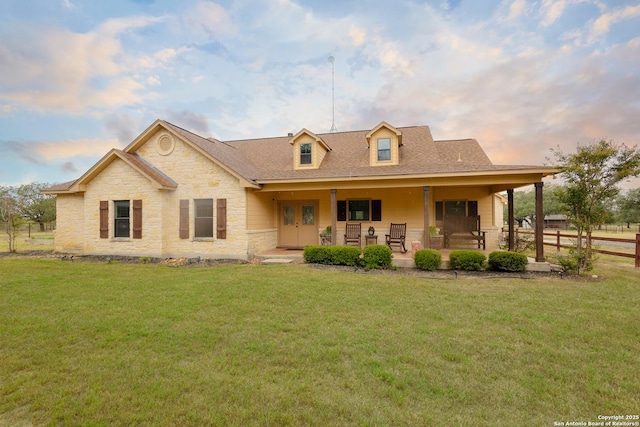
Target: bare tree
10	214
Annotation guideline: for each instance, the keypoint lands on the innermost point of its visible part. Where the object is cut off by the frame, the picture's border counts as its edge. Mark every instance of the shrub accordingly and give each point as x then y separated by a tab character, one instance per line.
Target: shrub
428	259
571	263
376	256
332	255
507	261
467	260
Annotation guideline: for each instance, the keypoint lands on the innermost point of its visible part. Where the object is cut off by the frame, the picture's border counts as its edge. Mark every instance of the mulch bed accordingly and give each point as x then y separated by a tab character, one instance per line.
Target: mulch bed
198	262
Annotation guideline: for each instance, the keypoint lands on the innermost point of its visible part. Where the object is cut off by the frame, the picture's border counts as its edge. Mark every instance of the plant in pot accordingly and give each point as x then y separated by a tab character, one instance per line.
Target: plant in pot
435	238
371	230
325	236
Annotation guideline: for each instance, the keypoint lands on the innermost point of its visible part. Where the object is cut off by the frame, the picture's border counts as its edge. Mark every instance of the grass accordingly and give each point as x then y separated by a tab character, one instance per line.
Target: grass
129	344
26	242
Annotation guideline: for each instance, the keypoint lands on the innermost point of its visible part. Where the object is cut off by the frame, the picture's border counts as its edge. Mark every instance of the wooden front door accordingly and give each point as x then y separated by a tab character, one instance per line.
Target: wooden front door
298	223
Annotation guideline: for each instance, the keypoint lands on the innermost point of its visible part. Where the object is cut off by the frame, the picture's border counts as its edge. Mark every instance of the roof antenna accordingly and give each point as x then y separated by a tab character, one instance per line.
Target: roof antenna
333	102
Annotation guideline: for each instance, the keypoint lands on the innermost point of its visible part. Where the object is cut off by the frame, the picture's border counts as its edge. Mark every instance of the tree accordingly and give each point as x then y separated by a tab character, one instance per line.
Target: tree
591	176
629	207
524	205
37	207
10	214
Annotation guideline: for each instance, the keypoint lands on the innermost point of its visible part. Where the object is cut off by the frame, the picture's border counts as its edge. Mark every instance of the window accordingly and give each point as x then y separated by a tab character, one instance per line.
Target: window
384	149
358	210
305	154
456	208
308	215
203	217
121	218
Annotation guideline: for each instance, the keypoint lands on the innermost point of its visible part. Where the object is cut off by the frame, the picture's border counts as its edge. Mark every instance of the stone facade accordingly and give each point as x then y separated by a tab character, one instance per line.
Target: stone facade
197	178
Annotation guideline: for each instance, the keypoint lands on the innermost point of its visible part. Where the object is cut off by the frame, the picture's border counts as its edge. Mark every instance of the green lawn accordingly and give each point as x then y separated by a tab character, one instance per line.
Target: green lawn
131	344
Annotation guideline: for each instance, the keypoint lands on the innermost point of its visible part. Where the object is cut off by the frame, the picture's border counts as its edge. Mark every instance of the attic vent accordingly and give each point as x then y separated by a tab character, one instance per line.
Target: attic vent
165	145
289	134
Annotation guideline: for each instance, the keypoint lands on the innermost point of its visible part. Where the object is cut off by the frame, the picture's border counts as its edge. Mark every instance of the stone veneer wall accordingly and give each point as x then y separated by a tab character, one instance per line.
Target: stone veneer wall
197	178
69	234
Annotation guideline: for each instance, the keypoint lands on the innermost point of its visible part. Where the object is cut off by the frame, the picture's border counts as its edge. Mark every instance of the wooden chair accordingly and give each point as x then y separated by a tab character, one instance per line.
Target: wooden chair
352	234
396	236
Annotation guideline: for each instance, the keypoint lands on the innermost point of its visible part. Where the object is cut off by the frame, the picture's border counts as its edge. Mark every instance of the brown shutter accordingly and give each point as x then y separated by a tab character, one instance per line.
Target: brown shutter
184	219
376	210
342	210
104	219
221	219
137	219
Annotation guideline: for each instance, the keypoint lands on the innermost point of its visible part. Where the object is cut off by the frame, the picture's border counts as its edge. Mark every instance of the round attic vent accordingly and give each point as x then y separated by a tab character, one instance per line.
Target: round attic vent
165	145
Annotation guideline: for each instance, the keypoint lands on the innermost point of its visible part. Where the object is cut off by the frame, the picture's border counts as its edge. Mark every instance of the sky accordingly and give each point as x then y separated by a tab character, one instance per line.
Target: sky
79	77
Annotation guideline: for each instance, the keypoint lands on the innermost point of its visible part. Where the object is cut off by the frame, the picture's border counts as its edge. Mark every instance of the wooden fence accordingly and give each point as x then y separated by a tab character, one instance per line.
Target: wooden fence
559	244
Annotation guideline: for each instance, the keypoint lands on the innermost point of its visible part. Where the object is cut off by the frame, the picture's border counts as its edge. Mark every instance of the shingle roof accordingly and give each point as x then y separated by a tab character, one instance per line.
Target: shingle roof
148	169
271	159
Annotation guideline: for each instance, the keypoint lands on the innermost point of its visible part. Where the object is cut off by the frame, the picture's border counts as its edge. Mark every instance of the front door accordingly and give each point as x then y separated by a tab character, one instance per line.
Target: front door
298	223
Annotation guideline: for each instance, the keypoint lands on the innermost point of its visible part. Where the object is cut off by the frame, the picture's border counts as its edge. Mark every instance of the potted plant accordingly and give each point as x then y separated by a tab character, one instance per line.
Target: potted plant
372	230
325	236
435	238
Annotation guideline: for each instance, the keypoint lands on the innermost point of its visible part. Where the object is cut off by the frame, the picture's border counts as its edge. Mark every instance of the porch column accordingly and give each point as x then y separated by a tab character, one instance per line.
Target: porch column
511	220
334	216
427	240
539	236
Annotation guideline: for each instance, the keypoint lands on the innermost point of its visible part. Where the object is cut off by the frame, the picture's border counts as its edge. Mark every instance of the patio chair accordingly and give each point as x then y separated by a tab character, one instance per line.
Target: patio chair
396	236
352	234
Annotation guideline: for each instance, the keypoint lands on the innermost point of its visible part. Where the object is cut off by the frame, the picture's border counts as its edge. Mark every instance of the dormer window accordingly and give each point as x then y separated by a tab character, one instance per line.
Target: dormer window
308	150
384	145
305	154
384	149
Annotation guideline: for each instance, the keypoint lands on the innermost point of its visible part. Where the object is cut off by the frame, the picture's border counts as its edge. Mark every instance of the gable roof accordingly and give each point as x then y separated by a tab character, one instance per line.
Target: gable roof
384	125
312	135
157	178
256	162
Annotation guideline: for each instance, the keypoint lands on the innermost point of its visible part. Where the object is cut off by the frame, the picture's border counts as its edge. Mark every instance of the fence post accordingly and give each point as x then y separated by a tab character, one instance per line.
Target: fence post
558	241
637	250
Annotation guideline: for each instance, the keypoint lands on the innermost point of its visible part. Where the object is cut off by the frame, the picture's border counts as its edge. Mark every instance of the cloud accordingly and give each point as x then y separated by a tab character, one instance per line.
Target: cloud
189	120
123	127
358	35
67	4
552	10
210	20
517	9
69	167
602	25
54	69
43	152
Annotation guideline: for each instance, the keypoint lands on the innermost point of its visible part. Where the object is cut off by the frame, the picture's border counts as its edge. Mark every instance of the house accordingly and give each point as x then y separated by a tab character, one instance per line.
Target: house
172	193
557	221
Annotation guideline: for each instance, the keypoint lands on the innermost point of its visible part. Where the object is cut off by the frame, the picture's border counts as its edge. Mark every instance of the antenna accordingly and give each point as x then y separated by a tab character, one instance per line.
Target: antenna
333	102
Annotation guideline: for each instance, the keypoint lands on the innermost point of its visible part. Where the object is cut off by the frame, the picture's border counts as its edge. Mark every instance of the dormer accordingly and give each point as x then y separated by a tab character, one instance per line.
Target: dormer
384	145
308	150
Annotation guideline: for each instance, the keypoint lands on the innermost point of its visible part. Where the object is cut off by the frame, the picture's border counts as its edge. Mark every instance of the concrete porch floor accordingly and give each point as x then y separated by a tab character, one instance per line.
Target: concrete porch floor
399	259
